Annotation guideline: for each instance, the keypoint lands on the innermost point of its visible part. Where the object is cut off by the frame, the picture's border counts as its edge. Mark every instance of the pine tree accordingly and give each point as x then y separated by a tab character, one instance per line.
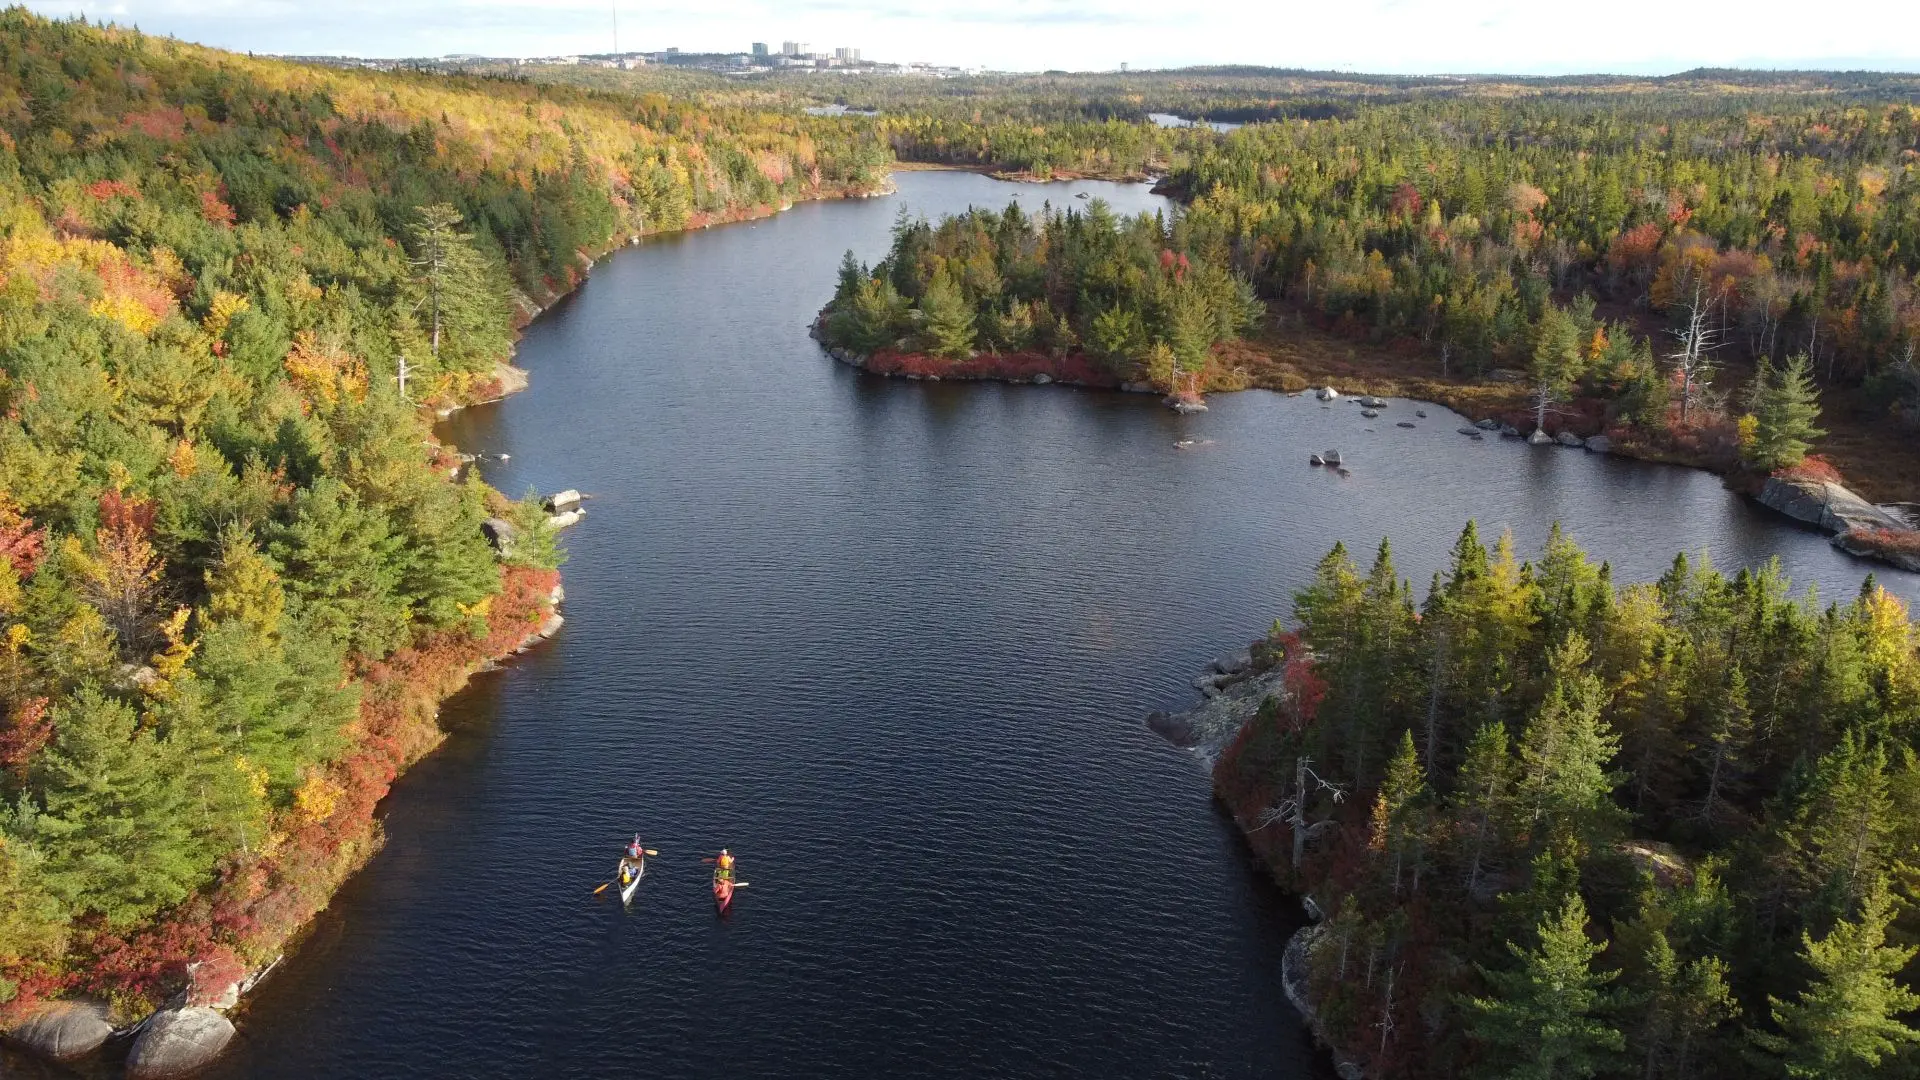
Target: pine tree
1400	816
1723	742
1545	1021
1482	799
465	309
1786	408
1564	752
1557	362
1847	1020
949	321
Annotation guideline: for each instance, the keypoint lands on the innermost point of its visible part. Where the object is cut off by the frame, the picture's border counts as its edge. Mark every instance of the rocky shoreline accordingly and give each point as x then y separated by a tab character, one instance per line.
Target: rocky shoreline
1233	688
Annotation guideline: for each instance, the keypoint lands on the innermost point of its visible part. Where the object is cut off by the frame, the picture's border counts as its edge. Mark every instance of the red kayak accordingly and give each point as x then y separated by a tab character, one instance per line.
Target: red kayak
723	882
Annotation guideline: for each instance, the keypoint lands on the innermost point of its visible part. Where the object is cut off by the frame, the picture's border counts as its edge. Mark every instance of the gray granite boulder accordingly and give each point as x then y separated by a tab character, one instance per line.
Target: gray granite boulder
64	1030
1568	438
1539	438
177	1043
1827	505
1600	444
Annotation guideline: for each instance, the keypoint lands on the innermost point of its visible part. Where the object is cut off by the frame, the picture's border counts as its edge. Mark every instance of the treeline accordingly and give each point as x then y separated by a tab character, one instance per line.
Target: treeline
1462	223
1563	827
1120	291
235	572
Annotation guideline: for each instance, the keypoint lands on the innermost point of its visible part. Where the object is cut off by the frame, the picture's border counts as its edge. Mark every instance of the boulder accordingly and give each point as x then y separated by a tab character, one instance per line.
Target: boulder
1488	424
1539	438
500	533
1508	431
64	1030
1568	438
178	1042
1404	423
1828	505
1233	663
1421	413
1331	457
1369	413
560	500
1316	459
567	519
1042	379
1600	444
1186	406
1373	402
1326	393
1469	431
1176	728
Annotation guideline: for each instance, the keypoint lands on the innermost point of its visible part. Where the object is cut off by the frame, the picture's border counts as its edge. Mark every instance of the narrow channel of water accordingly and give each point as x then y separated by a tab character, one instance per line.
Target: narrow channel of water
891	642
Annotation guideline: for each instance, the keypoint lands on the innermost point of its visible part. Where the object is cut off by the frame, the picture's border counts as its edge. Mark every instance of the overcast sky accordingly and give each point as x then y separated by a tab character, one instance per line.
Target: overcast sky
1441	36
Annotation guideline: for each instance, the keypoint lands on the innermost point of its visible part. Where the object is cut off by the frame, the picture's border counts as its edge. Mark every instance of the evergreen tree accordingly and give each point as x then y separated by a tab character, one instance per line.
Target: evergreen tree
949	324
1847	1020
1785	409
1483	791
1546	1021
1400	816
463	305
1564	781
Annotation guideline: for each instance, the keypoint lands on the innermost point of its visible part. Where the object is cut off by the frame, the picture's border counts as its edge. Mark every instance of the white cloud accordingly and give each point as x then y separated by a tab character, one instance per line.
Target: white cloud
1369	35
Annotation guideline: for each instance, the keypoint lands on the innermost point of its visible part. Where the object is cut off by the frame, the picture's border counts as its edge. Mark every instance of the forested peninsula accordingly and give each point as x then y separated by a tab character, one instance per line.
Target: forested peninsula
237	571
1554	825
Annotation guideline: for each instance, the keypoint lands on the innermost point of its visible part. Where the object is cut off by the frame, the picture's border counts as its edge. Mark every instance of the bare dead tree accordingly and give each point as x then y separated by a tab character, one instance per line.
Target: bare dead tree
1293	808
1694	360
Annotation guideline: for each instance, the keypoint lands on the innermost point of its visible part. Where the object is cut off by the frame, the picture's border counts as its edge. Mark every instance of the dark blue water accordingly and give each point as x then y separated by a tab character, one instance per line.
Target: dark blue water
890	642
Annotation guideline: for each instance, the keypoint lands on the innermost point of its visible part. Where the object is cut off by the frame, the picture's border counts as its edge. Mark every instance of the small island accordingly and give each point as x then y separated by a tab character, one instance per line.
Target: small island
1085	297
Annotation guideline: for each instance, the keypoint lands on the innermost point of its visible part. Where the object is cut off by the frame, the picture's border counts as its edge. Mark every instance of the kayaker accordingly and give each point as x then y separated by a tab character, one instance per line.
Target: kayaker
725	860
633	849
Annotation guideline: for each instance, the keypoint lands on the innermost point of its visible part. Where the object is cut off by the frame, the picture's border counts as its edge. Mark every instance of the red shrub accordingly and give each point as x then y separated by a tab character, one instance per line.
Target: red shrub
1813	468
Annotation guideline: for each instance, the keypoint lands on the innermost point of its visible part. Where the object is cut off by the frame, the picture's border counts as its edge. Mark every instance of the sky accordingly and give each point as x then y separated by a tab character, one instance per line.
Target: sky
1380	36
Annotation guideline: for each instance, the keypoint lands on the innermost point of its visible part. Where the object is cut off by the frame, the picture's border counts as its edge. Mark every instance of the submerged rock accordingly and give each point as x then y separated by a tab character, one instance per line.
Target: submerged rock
1316	459
1405	423
1488	424
1600	444
64	1030
178	1042
1331	457
1469	431
1369	413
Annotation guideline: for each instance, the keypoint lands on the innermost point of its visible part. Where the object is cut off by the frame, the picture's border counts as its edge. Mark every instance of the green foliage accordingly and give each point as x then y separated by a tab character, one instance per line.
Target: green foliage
1714	769
1786	407
1847	1020
1547	1020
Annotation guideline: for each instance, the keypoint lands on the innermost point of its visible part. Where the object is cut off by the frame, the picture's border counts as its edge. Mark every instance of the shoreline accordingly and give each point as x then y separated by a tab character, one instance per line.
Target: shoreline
397	728
1815	495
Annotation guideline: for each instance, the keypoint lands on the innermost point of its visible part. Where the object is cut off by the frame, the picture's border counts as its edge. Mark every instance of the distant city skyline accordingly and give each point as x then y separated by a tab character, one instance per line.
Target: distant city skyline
1633	37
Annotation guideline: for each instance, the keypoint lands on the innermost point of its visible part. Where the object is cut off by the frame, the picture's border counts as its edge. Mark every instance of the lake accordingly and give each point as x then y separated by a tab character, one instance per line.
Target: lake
891	642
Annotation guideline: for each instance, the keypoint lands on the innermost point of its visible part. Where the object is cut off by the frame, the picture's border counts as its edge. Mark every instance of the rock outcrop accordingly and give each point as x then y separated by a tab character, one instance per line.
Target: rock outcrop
1825	504
63	1030
177	1043
1209	726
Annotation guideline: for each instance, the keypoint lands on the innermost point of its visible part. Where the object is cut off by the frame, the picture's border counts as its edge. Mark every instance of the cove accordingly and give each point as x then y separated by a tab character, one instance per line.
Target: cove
891	642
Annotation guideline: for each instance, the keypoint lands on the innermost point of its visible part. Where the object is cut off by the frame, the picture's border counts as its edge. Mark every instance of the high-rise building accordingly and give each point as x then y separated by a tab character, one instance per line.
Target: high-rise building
793	48
846	55
759	50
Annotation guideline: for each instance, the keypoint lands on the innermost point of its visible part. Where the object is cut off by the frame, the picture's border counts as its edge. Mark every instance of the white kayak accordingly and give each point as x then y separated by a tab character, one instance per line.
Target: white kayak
628	874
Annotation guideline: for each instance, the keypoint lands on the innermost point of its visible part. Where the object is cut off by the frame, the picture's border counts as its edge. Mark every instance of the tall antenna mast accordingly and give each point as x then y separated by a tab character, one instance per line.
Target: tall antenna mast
616	29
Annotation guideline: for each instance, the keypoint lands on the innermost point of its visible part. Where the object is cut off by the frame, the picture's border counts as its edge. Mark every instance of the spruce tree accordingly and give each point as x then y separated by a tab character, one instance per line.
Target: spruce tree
1785	409
949	321
1546	1021
1482	801
1848	1019
464	307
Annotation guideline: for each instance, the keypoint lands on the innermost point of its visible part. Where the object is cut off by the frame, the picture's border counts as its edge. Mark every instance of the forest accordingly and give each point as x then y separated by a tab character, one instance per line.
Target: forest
1092	286
237	572
1560	826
